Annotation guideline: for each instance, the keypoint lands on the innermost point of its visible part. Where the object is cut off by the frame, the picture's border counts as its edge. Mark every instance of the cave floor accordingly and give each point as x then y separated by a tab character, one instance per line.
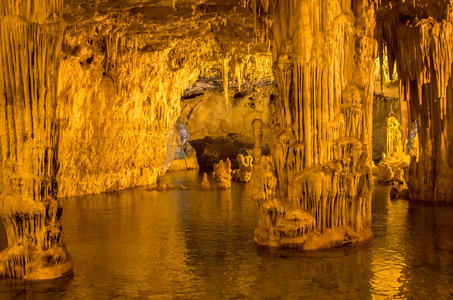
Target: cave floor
197	243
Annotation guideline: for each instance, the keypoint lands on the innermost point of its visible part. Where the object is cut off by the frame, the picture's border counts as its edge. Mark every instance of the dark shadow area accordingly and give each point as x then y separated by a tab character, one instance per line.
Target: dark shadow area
3	237
212	150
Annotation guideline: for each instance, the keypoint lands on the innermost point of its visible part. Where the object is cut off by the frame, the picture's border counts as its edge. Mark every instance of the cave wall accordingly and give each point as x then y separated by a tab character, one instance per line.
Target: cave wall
323	55
207	115
124	69
118	101
385	102
418	37
31	33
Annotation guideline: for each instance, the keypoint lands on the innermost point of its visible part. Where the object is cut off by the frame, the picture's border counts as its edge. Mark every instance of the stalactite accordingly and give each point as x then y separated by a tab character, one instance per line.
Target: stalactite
323	53
424	57
225	71
30	45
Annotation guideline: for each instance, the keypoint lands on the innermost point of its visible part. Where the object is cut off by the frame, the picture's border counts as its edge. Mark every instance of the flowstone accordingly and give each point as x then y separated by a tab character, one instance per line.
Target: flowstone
394	165
222	174
420	46
31	38
320	165
244	173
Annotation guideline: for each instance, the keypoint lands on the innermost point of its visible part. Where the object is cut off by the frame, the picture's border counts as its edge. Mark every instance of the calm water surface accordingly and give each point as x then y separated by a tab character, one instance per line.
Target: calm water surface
199	244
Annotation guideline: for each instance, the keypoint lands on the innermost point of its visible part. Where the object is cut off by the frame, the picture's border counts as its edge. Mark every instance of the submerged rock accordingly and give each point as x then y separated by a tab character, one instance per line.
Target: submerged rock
205	183
222	174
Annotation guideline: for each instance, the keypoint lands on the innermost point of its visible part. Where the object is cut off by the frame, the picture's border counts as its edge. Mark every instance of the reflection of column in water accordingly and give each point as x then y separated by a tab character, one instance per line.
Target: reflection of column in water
344	273
390	231
428	267
224	199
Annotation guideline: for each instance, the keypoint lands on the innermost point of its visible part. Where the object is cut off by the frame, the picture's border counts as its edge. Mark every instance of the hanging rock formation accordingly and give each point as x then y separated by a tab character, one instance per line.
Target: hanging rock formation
124	68
417	35
323	55
31	33
118	103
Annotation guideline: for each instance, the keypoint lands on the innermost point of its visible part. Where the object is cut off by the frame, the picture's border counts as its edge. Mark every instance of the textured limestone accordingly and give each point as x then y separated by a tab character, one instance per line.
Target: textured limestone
210	151
417	36
394	144
208	115
323	55
31	34
222	174
126	65
205	183
116	121
385	172
384	103
188	162
180	153
244	172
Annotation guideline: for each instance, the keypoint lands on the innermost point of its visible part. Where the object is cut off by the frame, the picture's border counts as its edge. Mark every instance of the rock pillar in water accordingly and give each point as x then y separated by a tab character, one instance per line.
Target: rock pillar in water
418	38
31	33
323	55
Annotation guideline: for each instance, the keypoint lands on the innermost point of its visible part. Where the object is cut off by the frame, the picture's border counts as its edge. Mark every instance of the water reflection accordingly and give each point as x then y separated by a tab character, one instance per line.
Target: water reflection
199	244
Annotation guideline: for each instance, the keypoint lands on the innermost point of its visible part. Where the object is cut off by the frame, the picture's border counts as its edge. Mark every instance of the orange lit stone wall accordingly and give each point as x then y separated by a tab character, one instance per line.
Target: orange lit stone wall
118	100
31	34
323	55
418	37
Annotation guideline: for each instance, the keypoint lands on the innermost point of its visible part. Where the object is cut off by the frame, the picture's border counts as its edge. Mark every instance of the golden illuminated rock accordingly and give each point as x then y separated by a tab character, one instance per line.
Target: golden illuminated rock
31	35
385	172
394	142
244	173
187	162
205	183
205	114
222	174
323	55
420	45
394	164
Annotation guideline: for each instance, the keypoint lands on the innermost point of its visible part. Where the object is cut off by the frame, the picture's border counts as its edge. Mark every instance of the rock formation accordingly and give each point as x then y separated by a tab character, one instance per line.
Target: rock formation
181	154
205	114
394	143
385	172
244	173
222	174
125	67
323	55
118	103
205	183
394	164
417	35
31	34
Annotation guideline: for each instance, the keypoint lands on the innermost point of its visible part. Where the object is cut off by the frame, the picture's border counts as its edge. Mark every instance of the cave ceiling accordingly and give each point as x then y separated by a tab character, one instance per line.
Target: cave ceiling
226	22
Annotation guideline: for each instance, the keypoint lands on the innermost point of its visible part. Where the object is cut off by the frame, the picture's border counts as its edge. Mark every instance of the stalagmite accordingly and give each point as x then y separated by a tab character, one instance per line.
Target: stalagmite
205	183
418	36
244	173
394	139
31	33
321	152
395	162
222	174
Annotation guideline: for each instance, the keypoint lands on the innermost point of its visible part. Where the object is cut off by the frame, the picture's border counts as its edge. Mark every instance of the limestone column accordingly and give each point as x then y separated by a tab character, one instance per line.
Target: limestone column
31	33
323	54
418	37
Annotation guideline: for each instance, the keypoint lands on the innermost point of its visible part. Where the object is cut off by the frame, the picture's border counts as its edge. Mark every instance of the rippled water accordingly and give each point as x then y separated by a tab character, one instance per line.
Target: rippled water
199	244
